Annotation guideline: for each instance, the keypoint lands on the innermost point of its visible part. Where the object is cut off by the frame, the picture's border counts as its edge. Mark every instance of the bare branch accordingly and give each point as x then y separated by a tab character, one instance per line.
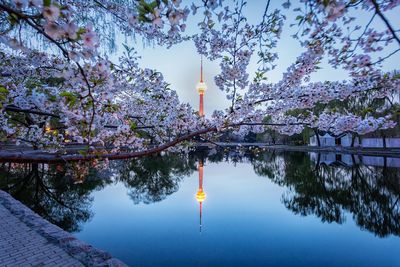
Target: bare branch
37	112
385	20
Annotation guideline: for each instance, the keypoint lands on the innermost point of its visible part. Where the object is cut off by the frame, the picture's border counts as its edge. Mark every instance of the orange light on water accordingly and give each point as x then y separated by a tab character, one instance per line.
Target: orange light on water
200	195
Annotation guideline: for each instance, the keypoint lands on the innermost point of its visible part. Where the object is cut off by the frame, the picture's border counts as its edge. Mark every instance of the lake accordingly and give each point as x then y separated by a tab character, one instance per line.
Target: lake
223	208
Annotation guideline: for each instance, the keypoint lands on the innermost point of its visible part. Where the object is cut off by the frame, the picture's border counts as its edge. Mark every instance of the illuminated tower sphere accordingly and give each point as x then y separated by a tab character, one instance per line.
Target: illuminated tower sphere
201	88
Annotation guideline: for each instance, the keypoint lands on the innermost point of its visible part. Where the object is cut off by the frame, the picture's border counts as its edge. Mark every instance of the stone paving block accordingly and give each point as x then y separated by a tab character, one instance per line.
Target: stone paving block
26	239
21	246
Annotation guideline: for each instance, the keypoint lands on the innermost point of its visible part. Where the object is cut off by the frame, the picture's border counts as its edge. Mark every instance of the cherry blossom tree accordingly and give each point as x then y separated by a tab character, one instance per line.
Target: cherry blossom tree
58	85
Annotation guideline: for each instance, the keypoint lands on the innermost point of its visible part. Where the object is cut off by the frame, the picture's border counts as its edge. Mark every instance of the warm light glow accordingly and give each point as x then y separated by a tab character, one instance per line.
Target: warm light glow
201	87
200	196
47	129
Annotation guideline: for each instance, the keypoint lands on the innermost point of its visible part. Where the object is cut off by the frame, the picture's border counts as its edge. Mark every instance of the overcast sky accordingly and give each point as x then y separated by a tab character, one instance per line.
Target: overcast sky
181	63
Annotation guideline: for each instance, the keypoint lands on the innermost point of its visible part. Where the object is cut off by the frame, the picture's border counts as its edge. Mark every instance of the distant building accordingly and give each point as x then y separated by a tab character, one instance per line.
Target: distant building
329	140
344	140
379	142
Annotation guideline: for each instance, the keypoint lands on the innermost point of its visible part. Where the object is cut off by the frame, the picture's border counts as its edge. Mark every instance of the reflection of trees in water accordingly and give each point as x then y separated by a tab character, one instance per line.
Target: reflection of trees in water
370	194
269	165
231	155
153	178
61	193
318	190
377	193
52	191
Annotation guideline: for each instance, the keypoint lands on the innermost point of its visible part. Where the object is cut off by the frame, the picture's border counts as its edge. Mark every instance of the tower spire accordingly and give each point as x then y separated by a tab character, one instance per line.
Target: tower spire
201	69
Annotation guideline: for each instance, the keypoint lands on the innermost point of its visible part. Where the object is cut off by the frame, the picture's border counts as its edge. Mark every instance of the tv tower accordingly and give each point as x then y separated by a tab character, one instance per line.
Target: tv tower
201	88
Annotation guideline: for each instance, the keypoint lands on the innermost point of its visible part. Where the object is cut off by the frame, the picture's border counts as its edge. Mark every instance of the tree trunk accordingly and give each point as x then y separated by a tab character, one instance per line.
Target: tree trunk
57	158
317	136
383	139
353	139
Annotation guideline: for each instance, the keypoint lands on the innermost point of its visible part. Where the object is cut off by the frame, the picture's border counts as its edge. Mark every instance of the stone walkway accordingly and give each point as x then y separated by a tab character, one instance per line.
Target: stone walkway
26	239
22	246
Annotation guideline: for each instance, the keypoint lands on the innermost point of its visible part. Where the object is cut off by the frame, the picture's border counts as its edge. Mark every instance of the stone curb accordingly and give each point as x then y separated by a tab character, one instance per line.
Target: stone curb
78	249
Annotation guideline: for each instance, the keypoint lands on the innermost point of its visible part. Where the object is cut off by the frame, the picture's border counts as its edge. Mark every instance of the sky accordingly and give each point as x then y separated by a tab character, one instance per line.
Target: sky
180	64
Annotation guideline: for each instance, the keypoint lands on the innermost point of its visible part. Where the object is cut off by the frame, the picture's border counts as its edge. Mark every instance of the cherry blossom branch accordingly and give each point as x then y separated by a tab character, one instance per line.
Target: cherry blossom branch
33	25
56	158
308	95
16	109
106	9
386	57
137	127
385	20
65	53
239	19
268	124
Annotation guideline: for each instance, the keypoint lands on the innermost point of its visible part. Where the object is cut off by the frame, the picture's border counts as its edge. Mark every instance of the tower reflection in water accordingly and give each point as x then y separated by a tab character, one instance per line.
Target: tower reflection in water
200	195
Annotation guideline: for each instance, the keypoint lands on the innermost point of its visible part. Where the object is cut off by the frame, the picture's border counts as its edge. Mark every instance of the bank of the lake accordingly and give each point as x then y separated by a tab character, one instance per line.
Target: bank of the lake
29	240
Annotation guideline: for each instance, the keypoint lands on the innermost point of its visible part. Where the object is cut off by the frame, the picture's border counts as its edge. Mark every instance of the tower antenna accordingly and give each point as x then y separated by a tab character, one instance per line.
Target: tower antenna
201	69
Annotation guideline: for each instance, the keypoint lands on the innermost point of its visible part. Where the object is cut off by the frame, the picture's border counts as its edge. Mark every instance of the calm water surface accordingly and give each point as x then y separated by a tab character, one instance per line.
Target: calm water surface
264	209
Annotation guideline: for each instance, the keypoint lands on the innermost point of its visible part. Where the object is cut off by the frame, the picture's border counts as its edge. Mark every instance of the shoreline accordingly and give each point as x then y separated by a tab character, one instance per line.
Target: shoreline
25	154
366	151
